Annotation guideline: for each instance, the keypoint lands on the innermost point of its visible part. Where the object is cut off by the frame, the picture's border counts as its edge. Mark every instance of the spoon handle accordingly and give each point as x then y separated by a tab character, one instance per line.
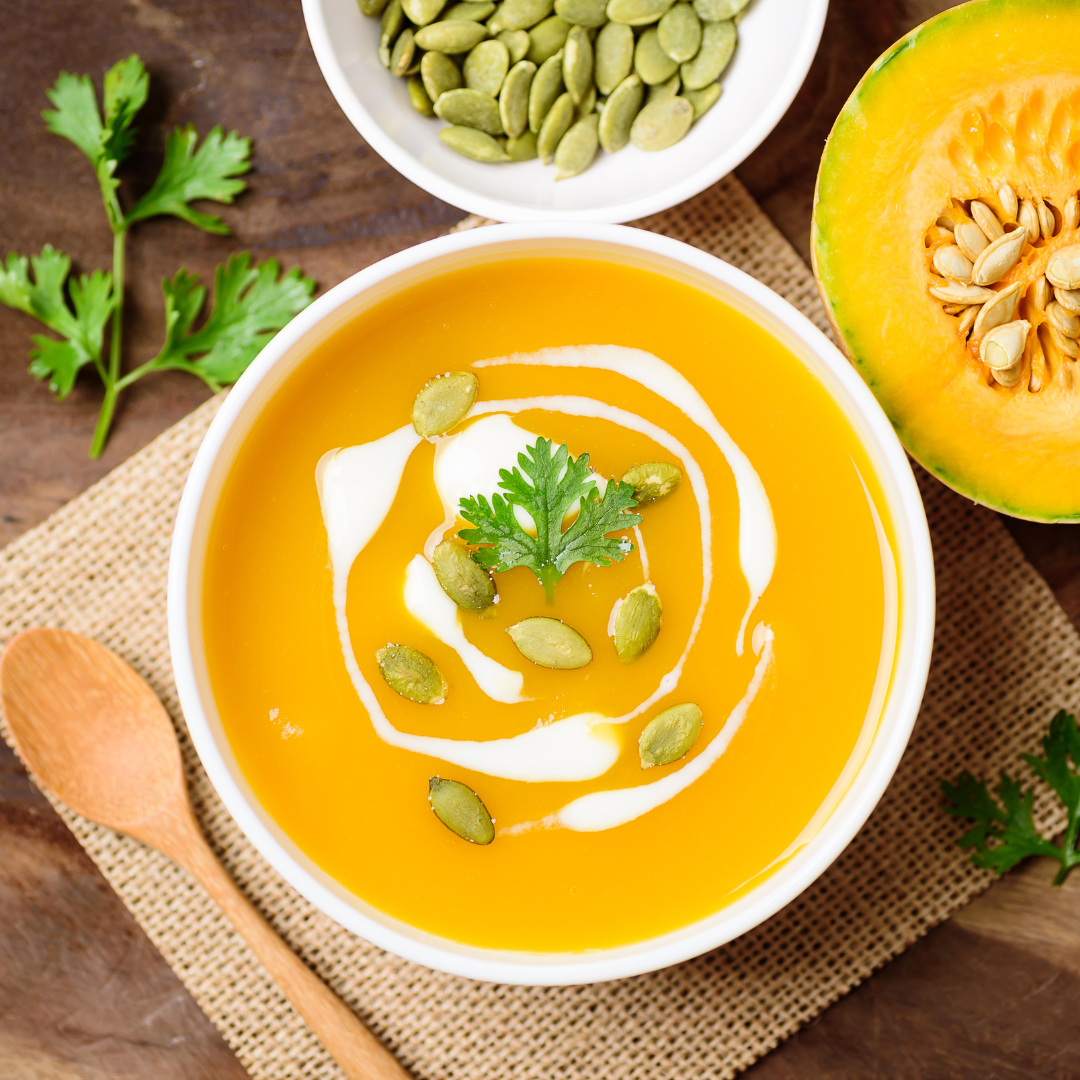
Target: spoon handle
358	1052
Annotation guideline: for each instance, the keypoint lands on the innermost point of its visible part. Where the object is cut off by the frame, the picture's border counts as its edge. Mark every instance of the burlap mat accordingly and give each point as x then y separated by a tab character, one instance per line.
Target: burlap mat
1005	657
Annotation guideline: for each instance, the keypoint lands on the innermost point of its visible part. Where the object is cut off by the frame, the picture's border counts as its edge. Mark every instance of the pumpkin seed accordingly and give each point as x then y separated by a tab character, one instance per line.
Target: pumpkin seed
614	56
951	262
637	12
521	147
680	33
1008	376
1009	203
550	643
653	480
439	73
372	7
587	13
986	219
485	68
577	65
1004	345
717	46
411	674
619	113
665	89
519	14
637	622
514	99
967	320
588	103
393	19
970	239
1040	294
402	56
957	294
670	735
446	400
997	311
1064	344
1063	269
662	123
470	108
461	810
703	100
1070	213
1028	217
461	578
651	63
451	36
545	89
577	148
421	12
718	10
555	126
1046	218
1068	299
418	97
998	257
473	10
547	39
517	43
1062	320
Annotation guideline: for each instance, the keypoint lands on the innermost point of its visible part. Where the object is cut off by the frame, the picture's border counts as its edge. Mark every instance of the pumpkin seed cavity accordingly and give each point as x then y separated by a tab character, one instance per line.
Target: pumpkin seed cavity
461	810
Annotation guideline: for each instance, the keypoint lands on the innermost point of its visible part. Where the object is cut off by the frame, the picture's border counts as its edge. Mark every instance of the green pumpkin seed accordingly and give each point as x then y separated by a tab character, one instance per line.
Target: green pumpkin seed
619	112
521	147
703	100
670	735
587	13
718	10
517	42
550	643
665	89
411	674
520	14
577	65
652	64
451	36
439	73
470	108
402	57
421	12
446	400
418	96
545	89
486	66
588	102
466	583
637	12
393	19
660	124
514	99
472	143
637	622
680	33
614	56
461	810
372	7
717	45
578	147
653	480
474	10
547	39
555	126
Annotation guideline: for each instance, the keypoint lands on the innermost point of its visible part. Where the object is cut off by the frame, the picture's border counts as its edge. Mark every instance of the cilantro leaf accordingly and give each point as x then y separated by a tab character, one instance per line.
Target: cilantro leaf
81	325
1004	831
553	482
76	115
127	86
250	304
188	174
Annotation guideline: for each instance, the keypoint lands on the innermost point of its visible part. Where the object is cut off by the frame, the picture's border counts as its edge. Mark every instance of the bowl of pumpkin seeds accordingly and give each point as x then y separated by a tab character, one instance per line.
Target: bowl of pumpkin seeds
591	110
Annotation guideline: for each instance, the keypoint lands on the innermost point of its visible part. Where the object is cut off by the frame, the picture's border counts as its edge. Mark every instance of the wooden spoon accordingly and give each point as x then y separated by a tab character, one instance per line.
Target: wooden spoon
96	736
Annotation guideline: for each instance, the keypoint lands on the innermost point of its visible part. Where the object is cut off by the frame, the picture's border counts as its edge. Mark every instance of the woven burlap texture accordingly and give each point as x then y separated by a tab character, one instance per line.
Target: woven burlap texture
1005	657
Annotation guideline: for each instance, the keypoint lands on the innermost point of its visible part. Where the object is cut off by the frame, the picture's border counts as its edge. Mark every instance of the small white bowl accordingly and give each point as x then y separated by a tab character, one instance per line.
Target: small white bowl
870	767
777	42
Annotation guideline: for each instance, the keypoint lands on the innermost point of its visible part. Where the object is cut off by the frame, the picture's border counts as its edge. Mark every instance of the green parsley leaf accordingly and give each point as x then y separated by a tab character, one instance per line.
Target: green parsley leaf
188	174
127	87
76	115
1004	832
556	481
82	324
250	305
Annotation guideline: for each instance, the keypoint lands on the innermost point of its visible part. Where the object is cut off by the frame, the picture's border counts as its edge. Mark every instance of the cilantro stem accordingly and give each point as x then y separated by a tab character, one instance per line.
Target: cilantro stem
111	375
549	578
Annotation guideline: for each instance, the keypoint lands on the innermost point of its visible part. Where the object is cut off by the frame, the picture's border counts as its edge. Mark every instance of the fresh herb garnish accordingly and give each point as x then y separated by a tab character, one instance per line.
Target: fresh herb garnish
555	482
1004	833
249	305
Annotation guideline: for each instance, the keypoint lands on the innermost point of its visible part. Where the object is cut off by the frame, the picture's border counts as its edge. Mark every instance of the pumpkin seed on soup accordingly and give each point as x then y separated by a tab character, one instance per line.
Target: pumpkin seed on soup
412	674
670	735
461	578
637	622
461	810
653	480
445	401
550	643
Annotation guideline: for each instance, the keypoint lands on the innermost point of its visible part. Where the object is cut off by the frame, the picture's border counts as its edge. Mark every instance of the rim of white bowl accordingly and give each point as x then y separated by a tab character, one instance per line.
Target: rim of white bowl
913	649
730	158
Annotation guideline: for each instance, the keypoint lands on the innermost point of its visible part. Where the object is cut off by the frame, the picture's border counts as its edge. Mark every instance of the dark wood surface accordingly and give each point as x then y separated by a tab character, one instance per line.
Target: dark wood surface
995	992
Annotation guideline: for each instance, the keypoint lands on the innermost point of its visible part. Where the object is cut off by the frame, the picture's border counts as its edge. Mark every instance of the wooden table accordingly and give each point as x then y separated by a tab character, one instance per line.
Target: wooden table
83	995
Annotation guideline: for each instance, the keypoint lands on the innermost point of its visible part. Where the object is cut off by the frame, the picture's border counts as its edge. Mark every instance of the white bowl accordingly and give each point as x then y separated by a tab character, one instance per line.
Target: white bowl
873	762
777	42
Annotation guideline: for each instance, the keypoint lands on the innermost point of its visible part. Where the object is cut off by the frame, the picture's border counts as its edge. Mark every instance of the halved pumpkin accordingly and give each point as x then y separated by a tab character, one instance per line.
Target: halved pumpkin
962	136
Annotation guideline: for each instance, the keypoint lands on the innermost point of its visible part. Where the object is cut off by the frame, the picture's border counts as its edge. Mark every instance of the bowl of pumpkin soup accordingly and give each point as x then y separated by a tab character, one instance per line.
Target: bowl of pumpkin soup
550	603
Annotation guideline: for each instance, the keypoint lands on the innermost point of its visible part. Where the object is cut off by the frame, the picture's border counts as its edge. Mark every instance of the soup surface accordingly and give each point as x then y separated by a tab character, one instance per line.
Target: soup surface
306	582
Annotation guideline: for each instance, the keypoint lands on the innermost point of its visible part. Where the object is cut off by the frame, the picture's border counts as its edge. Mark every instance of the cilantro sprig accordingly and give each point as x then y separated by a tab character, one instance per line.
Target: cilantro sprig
1004	831
250	303
546	485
